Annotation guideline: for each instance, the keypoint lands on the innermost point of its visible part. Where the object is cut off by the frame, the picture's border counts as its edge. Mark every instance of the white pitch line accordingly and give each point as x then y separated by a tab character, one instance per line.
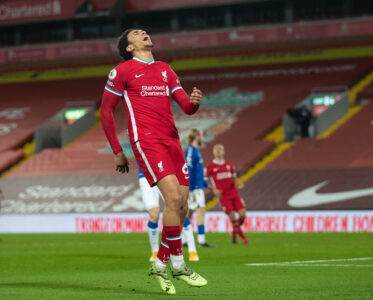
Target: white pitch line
286	263
324	265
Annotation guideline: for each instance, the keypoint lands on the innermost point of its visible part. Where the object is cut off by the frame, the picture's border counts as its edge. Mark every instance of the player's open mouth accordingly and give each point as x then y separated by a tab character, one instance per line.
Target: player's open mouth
146	38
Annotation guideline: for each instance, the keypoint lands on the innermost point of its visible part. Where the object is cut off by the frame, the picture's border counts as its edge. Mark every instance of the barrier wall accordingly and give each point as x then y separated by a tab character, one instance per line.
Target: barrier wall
256	221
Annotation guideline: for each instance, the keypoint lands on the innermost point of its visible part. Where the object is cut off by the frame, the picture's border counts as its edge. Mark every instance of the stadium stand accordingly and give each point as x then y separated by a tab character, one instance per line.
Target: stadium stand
333	151
8	158
283	85
280	93
32	104
339	164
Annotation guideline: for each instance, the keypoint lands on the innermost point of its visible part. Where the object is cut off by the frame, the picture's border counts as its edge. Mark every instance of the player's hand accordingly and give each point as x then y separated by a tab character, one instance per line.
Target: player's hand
239	185
218	194
121	162
196	96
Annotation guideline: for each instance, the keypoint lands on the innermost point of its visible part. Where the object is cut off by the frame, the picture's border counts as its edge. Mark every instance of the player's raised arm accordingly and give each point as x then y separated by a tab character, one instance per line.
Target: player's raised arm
188	104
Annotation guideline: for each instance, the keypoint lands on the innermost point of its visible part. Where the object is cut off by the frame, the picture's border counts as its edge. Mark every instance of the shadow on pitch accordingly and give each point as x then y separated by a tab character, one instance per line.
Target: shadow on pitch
77	287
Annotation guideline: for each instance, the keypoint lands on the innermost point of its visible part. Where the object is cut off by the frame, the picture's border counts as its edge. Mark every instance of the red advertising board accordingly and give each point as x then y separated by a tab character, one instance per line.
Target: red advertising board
36	10
197	39
256	221
144	5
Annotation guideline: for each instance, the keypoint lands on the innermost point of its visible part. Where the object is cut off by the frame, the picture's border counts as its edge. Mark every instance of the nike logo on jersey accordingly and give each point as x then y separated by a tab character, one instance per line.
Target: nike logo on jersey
310	197
138	76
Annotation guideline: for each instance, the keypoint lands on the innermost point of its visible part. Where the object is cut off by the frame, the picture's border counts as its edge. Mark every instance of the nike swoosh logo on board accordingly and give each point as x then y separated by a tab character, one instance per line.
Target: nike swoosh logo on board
310	197
137	76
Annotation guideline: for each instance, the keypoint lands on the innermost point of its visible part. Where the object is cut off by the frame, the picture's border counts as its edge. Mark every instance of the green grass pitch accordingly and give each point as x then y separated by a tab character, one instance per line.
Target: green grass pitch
114	266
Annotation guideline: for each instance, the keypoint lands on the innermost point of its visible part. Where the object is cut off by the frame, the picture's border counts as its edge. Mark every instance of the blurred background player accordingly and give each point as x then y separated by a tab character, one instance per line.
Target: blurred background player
196	201
150	196
225	183
146	87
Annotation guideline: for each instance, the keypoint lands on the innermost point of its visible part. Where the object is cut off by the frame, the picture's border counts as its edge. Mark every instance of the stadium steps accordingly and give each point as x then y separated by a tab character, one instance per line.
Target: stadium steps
24	153
9	158
349	145
69	160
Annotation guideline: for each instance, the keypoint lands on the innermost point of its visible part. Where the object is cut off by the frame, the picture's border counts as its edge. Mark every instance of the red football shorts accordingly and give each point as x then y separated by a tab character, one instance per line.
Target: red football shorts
158	158
232	204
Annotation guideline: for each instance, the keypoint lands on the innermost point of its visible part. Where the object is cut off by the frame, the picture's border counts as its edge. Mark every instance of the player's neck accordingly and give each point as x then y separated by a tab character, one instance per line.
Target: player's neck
195	144
144	55
219	159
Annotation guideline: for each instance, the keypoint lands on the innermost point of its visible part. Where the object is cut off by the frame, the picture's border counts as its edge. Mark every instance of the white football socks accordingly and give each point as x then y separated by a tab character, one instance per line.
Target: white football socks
158	264
188	232
201	238
177	261
153	238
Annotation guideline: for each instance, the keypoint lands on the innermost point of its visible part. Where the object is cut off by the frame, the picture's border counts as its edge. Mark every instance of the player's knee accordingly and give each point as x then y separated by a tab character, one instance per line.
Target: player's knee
184	208
153	217
175	202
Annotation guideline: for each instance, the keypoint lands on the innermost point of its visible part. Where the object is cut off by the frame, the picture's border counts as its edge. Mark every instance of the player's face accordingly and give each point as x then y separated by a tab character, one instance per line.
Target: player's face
139	40
218	151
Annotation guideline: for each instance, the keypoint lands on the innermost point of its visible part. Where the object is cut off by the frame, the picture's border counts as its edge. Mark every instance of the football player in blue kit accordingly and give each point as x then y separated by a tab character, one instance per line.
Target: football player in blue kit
196	201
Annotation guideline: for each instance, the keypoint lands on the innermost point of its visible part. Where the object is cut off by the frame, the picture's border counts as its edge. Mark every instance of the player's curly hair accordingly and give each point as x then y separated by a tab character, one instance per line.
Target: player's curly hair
123	43
193	133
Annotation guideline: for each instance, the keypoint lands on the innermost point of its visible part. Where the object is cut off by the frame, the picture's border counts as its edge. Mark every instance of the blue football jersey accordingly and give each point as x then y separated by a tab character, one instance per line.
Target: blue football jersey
141	174
194	161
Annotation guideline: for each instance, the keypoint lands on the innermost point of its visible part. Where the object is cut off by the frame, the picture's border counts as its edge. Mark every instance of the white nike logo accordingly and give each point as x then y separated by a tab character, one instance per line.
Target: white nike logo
137	76
309	197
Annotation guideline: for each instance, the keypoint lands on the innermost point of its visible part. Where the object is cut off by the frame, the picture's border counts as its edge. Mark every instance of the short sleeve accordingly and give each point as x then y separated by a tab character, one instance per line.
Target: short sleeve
233	170
115	83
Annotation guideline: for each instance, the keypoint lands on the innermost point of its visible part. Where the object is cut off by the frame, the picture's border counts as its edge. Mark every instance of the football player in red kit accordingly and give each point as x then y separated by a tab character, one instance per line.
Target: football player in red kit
225	184
145	86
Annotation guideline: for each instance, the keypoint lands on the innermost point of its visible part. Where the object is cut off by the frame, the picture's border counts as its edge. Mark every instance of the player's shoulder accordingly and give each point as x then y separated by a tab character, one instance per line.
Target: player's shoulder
120	69
161	63
210	165
229	163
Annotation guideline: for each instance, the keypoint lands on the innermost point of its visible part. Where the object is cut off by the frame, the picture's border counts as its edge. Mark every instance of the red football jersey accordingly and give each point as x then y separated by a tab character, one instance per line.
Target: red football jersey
222	176
145	88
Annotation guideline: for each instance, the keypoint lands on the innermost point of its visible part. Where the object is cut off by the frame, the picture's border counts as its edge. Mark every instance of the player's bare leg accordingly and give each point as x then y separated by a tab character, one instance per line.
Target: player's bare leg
153	231
241	219
235	226
175	196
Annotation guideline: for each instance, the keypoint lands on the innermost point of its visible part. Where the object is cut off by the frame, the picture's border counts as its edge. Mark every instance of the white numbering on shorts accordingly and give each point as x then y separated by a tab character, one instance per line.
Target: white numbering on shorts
185	171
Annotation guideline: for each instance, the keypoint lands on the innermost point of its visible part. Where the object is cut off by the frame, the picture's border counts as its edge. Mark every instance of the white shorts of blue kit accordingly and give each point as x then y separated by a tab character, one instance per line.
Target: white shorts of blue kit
196	199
